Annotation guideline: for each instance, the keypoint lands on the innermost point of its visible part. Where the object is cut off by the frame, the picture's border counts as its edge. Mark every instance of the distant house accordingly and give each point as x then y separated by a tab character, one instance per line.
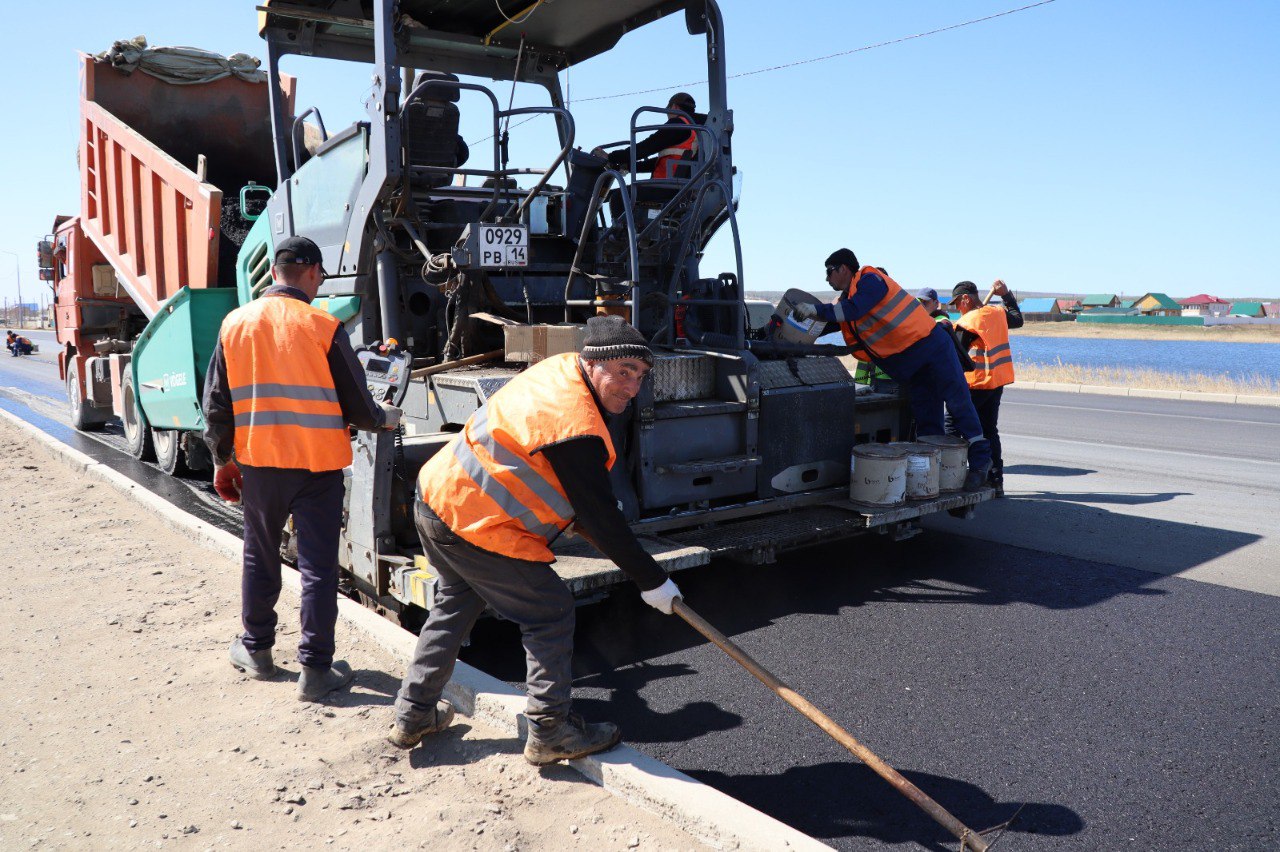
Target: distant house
1039	309
1271	309
1068	305
1100	300
1204	305
1157	305
1246	309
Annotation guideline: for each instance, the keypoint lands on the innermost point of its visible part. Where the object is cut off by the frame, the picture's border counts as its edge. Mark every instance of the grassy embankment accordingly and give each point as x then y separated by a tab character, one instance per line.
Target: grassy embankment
1215	333
1073	374
1131	377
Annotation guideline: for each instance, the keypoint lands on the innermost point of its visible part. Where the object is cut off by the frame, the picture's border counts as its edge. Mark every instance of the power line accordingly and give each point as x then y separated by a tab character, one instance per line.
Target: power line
863	49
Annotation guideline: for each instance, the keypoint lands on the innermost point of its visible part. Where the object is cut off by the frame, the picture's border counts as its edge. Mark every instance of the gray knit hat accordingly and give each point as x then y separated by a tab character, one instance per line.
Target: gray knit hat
611	337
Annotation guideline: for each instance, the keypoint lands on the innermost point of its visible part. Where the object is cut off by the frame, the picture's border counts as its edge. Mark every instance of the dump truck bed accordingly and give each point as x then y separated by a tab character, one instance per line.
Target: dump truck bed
155	160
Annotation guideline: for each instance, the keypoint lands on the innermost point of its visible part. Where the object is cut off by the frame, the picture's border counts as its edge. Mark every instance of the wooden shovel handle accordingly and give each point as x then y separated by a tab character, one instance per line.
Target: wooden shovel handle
969	839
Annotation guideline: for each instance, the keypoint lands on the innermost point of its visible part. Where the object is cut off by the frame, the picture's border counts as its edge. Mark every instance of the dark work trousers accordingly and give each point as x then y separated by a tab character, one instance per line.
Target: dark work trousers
527	593
931	371
987	402
269	495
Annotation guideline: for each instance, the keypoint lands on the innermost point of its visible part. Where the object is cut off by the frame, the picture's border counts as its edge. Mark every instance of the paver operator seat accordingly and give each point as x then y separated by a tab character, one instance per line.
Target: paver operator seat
431	128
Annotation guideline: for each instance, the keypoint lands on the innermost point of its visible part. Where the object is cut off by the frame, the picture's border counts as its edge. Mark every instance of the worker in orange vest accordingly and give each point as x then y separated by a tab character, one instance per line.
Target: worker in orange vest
534	459
984	332
282	386
663	151
887	326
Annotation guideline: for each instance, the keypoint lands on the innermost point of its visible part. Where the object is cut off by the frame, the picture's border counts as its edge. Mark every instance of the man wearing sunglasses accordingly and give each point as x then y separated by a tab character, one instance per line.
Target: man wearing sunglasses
890	328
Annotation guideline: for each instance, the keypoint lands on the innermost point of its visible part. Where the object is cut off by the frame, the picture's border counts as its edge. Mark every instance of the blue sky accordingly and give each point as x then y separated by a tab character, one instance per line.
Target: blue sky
1081	146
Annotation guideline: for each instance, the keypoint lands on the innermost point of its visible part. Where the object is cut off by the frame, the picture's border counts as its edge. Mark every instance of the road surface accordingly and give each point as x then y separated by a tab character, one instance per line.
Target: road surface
1096	653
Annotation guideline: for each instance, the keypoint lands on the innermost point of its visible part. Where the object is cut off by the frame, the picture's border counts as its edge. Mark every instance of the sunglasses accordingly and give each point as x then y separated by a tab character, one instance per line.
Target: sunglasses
831	269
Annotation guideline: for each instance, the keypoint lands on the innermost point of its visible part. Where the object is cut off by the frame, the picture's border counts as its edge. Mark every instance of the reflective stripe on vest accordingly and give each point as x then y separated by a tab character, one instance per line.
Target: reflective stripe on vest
492	485
992	357
285	406
668	157
893	323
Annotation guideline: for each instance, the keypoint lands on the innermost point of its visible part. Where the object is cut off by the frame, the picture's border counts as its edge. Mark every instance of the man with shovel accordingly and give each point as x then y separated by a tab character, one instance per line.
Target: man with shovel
534	459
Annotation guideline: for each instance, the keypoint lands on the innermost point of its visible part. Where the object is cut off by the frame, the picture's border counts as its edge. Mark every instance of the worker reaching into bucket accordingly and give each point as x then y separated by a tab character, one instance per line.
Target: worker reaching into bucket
888	327
532	460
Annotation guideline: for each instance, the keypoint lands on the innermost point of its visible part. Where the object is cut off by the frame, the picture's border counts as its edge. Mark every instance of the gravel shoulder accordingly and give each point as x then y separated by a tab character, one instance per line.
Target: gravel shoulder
123	725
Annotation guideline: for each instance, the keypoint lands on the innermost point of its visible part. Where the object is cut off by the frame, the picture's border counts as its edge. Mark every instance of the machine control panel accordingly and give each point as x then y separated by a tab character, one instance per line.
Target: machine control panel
387	370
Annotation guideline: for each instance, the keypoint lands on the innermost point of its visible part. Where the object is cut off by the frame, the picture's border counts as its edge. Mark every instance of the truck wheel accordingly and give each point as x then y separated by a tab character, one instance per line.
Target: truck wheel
168	446
196	453
84	416
137	436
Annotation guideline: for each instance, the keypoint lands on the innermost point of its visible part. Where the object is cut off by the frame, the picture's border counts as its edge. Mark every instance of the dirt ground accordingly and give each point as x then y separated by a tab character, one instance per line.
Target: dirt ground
123	725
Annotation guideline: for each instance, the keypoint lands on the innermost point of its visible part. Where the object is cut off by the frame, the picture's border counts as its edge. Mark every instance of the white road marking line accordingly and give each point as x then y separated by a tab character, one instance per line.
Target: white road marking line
1253	460
1144	413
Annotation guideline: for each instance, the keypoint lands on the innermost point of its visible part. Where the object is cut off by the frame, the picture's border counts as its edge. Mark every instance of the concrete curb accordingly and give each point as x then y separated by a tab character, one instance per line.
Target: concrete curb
1152	393
713	817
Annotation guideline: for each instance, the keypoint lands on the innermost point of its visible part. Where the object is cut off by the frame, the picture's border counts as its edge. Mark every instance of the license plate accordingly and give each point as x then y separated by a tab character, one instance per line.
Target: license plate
501	246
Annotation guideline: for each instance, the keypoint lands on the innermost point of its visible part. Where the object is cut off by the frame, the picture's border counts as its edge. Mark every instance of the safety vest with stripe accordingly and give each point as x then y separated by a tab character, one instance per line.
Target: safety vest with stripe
893	323
492	485
992	358
669	157
286	408
866	372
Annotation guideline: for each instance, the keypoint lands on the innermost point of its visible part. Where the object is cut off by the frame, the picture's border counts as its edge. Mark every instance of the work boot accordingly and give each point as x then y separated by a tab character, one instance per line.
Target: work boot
315	682
439	719
976	478
256	664
996	481
569	739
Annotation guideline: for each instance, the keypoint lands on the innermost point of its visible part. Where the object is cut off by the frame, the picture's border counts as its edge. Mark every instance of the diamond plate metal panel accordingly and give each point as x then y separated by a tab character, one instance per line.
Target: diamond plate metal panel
808	371
683	376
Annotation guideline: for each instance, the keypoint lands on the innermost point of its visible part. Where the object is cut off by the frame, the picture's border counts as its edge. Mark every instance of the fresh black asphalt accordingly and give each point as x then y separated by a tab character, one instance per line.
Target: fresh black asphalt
1119	709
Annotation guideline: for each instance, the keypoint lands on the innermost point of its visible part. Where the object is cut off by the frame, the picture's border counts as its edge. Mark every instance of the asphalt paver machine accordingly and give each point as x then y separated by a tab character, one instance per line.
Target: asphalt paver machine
737	446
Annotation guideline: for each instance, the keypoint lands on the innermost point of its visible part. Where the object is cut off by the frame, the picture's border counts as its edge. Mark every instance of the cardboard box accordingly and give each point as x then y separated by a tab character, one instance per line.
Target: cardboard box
532	343
517	341
556	339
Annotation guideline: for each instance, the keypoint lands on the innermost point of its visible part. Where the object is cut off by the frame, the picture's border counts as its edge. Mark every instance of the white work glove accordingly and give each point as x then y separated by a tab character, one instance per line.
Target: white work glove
662	597
393	416
805	311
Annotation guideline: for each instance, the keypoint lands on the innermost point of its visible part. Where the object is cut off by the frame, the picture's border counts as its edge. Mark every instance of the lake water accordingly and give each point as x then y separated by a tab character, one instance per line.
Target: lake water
1238	360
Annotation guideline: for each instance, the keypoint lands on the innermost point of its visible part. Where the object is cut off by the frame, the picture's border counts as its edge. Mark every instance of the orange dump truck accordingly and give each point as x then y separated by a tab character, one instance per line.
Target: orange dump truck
167	174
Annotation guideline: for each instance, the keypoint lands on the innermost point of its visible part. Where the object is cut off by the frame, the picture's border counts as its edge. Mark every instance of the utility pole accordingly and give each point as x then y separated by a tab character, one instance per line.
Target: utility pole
17	271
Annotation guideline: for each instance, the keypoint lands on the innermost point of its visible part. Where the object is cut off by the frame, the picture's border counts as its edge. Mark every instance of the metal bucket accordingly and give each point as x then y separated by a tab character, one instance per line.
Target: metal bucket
924	469
878	474
955	460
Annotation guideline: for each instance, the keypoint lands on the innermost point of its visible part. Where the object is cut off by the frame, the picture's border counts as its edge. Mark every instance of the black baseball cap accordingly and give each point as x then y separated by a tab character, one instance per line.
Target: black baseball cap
299	250
964	288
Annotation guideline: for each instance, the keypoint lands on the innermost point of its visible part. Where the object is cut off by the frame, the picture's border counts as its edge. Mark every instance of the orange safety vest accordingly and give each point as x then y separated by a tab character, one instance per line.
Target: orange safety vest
669	157
992	358
491	484
893	323
286	408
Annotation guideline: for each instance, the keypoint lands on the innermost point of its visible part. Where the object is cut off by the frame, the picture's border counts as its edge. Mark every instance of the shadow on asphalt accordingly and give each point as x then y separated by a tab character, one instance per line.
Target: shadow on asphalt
1113	497
1047	470
842	800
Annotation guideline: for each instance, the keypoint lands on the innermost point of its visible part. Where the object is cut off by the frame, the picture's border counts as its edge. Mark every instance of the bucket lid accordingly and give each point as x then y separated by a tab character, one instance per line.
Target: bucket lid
880	451
919	448
944	441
